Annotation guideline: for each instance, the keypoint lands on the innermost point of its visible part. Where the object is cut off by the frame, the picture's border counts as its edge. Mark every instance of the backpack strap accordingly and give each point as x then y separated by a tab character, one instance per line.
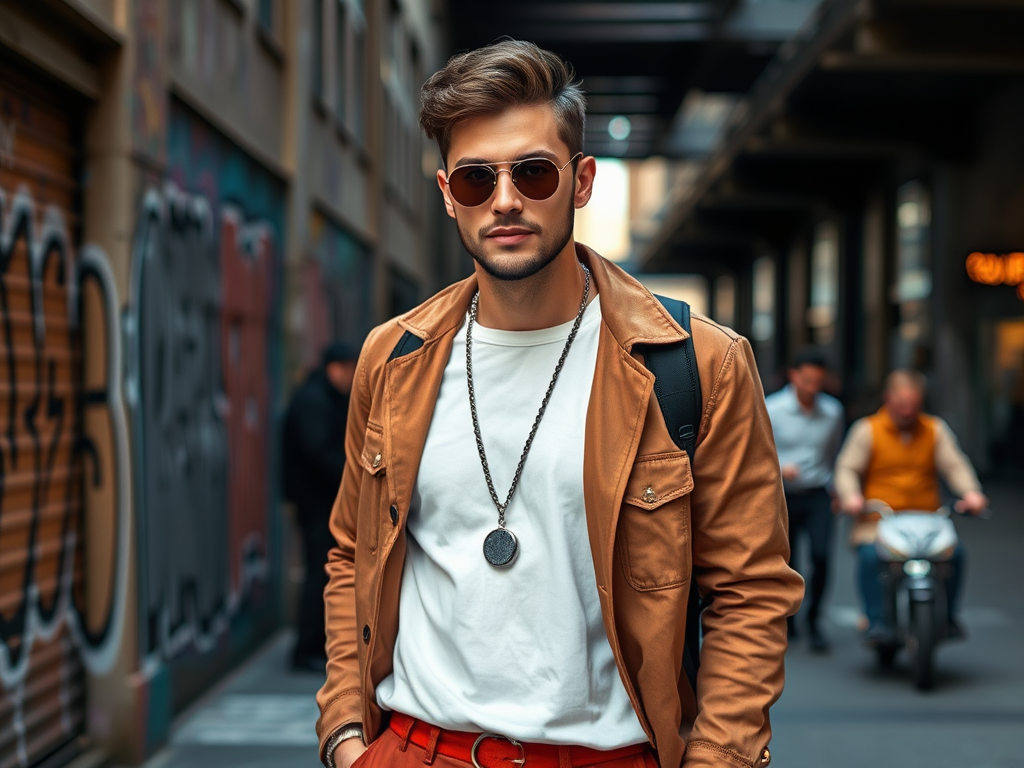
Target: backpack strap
677	387
676	382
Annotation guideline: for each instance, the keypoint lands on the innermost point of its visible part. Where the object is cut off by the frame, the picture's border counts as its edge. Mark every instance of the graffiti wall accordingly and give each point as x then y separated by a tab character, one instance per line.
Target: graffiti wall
337	296
202	348
63	438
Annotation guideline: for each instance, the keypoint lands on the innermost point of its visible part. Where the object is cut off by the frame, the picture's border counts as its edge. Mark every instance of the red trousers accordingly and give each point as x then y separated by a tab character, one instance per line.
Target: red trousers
410	744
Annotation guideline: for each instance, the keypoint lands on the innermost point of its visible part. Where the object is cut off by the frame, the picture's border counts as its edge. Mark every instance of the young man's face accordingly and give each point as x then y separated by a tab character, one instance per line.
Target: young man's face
510	235
808	381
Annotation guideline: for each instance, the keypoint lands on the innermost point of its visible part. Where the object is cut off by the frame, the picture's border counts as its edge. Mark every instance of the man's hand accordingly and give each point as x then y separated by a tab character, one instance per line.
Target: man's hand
790	472
347	752
853	504
973	502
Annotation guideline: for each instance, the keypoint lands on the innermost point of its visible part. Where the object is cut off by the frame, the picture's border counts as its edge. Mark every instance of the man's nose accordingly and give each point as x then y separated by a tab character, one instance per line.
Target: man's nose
506	195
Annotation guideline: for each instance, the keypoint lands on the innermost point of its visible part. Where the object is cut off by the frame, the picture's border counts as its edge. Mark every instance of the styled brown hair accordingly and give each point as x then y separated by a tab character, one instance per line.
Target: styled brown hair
505	74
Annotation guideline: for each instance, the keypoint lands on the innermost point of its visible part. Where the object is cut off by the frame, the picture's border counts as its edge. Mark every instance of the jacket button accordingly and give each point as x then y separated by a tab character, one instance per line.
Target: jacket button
649	495
366	634
376	461
394	514
766	757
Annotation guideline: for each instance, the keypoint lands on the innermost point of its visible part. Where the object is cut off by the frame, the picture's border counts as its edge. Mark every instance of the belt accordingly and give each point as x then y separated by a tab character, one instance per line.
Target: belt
492	750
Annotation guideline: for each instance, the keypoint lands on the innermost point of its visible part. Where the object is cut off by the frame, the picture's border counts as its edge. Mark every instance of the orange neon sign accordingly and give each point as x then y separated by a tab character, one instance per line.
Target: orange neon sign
996	269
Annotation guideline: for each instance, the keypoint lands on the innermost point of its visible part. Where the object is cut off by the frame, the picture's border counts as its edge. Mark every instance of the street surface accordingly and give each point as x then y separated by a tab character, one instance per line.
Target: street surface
841	711
838	710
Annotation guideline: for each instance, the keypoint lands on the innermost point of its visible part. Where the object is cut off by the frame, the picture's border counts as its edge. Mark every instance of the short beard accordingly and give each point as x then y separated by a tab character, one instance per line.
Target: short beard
531	265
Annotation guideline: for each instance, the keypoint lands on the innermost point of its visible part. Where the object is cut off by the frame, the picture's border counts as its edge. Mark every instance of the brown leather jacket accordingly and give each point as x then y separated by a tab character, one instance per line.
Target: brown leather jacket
724	523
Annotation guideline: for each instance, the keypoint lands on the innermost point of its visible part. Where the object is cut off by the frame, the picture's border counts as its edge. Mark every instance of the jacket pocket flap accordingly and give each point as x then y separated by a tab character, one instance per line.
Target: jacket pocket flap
658	478
373	458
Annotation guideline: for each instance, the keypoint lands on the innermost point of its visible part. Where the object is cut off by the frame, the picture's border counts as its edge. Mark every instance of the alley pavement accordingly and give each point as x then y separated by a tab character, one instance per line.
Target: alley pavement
838	710
263	716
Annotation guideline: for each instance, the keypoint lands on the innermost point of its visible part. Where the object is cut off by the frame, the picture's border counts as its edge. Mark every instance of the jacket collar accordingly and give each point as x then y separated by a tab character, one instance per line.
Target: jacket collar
629	310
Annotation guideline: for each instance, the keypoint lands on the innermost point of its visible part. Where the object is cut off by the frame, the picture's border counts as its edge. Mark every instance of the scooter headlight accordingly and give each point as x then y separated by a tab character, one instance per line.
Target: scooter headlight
917	568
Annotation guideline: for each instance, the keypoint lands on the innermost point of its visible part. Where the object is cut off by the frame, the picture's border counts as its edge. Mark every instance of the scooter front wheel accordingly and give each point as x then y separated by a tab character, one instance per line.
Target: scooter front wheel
921	643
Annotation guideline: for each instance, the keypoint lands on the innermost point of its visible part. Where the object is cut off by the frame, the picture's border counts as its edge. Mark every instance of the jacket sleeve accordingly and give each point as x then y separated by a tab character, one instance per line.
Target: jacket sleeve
340	698
740	558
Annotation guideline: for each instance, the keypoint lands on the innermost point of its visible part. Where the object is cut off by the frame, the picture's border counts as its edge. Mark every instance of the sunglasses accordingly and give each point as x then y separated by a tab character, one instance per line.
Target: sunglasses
535	177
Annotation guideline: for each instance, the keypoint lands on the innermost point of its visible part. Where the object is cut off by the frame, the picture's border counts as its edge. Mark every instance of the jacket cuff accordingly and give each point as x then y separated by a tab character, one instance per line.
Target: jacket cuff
343	710
707	754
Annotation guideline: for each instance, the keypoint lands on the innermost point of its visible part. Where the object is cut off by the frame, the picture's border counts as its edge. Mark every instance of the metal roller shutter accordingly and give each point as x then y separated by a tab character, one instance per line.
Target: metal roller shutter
42	689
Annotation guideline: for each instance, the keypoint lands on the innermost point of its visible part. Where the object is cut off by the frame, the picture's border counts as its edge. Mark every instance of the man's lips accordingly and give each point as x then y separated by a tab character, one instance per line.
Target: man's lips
509	235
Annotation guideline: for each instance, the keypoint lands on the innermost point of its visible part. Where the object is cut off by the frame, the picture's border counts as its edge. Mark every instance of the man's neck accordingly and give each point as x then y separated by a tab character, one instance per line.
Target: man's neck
549	298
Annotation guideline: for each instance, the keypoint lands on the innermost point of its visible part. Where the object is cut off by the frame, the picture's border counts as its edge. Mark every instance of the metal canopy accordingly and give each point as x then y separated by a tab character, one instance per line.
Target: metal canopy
638	60
857	97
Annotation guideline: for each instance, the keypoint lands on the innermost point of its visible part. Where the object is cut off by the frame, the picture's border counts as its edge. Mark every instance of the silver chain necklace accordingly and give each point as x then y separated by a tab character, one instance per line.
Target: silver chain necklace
501	547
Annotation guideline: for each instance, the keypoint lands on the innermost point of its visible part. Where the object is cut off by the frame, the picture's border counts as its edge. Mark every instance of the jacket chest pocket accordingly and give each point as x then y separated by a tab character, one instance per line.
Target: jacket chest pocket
653	541
374	490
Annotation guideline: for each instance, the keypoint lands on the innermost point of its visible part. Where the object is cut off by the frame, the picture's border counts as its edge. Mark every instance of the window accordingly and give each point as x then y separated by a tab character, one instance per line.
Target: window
267	15
340	64
913	270
725	300
763	326
357	120
823	309
317	33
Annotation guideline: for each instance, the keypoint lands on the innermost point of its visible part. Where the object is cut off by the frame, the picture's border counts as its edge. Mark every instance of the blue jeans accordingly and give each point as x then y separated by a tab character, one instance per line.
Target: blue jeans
871	586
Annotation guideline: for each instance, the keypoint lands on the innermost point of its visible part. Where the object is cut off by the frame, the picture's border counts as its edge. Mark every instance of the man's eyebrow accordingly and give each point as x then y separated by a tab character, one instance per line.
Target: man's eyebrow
521	156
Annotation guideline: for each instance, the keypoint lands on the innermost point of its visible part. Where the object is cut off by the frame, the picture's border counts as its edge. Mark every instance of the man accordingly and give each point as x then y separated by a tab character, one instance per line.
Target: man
808	427
896	456
313	458
537	593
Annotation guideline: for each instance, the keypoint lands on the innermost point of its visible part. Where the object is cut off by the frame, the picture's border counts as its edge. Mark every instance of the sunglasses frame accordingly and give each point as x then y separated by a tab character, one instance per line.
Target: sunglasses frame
512	165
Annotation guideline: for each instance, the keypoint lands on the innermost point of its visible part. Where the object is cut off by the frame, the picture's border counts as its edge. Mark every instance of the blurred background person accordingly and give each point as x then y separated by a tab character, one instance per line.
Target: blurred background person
313	458
808	426
897	456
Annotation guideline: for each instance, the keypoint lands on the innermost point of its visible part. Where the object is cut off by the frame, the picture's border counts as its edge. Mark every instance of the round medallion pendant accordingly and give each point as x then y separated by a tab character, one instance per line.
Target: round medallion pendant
501	548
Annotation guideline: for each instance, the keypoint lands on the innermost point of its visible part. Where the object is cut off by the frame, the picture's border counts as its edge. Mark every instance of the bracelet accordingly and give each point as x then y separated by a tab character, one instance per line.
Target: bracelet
355	730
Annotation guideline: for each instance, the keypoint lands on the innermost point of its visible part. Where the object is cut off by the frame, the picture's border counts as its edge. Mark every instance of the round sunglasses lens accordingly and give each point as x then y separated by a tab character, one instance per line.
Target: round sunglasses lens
537	179
471	185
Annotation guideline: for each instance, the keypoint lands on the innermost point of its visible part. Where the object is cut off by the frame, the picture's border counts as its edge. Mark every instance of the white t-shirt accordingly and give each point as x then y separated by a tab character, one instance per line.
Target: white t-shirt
520	650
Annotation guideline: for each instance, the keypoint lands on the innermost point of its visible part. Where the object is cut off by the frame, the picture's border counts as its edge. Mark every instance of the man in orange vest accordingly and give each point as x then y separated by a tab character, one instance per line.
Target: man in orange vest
896	456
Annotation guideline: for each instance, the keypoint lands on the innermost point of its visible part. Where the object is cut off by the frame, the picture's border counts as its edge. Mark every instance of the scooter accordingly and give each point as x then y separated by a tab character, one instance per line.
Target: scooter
915	549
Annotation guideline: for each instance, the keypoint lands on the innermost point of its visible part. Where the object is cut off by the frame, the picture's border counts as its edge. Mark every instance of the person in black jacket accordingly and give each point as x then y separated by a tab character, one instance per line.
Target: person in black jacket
313	461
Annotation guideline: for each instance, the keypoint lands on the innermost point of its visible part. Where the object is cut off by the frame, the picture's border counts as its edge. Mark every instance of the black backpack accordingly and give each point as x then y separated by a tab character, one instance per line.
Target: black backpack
677	387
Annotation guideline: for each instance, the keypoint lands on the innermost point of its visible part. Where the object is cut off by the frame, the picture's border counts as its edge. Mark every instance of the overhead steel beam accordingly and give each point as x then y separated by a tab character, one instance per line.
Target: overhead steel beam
794	61
845	61
628	12
600	32
625	84
623	104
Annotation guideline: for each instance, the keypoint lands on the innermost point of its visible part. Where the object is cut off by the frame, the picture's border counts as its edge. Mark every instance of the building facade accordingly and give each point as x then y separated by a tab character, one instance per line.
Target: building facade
195	197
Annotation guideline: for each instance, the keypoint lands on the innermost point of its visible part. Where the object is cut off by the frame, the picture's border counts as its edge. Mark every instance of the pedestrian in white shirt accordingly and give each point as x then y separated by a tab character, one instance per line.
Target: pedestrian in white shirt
808	426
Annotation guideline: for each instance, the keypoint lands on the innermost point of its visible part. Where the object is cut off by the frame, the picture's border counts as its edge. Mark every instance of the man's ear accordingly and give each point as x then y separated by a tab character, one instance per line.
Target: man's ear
585	181
442	182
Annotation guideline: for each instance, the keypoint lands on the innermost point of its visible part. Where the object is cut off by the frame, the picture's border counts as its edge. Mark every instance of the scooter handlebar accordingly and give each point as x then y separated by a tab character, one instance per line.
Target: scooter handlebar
877	506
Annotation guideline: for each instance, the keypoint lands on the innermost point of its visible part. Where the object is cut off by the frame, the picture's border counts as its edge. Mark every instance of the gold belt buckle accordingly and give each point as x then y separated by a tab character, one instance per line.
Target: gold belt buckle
480	739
